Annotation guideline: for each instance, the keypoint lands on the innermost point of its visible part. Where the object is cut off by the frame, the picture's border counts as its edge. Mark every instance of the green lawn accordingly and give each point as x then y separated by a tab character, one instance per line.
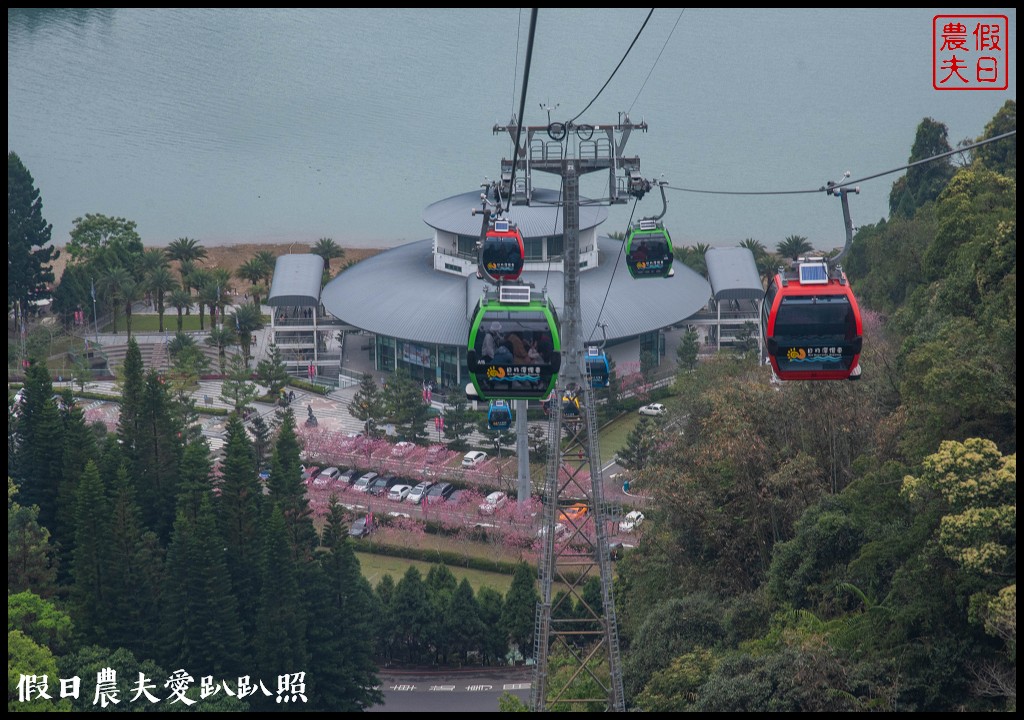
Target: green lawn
150	323
613	436
146	323
375	567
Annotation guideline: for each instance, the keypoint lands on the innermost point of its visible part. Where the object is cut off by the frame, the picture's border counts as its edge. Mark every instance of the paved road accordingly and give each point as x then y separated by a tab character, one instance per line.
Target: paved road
474	690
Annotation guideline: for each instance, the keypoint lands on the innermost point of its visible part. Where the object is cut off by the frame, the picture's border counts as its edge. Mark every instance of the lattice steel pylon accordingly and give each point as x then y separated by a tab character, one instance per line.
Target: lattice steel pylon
575	537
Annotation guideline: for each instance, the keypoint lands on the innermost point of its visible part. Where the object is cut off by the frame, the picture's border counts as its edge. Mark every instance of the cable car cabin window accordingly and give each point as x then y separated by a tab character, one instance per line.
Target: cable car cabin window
515	355
502	255
815	320
649	254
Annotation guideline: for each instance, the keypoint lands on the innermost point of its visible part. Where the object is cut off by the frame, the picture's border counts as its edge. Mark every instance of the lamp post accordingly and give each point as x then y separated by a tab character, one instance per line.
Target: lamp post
95	322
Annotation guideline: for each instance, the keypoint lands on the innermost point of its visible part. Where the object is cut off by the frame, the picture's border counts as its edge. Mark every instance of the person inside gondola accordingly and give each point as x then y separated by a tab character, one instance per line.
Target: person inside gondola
640	252
545	347
490	343
503	354
518	348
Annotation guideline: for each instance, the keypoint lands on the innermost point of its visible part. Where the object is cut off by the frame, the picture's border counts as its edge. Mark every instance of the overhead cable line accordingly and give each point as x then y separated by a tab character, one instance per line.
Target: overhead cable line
522	103
638	33
850	182
618	256
651	71
515	70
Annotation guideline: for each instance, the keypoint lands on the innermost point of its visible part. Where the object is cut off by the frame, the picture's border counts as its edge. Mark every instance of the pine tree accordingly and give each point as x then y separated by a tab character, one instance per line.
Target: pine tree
271	371
202	627
636	455
158	457
238	505
40	431
289	492
687	350
132	382
79	449
458	424
412	609
519	612
29	270
466	629
280	643
493	644
89	593
238	389
367	404
194	479
343	668
403	400
31	560
134	574
441	586
386	623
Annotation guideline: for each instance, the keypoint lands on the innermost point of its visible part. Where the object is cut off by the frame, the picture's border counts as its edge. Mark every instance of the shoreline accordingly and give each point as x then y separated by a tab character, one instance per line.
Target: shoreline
232	256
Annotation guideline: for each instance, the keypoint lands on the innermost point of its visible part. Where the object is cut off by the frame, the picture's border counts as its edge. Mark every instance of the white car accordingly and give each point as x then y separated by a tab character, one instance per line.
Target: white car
631	522
561	530
473	458
330	474
492	502
363	483
653	409
399	492
402	449
417	494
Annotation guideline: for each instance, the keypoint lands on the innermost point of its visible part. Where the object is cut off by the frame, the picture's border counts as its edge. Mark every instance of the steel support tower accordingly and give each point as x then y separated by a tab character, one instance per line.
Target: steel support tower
575	544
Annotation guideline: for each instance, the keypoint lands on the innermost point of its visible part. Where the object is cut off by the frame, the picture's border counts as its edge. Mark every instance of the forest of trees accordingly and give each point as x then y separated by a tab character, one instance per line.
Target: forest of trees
812	547
852	546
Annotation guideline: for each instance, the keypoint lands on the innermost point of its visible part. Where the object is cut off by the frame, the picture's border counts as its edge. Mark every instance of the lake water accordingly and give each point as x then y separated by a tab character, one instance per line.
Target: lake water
290	125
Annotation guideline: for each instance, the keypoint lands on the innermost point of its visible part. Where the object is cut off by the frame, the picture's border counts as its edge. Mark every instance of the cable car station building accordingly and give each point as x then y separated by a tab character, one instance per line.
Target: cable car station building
417	300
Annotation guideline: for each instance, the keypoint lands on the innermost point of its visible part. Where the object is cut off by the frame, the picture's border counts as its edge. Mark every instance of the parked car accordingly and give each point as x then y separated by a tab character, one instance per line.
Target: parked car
402	448
363	482
362	526
309	472
473	458
417	494
654	409
379	485
561	530
330	474
631	522
348	477
574	513
492	502
439	493
399	492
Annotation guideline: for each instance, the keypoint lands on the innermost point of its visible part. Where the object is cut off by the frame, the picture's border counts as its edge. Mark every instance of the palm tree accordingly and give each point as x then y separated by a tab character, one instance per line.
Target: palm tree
181	299
113	284
793	247
209	297
186	250
327	249
764	260
132	292
697	260
268	260
222	277
252	272
754	246
247	319
160	281
221	338
152	260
